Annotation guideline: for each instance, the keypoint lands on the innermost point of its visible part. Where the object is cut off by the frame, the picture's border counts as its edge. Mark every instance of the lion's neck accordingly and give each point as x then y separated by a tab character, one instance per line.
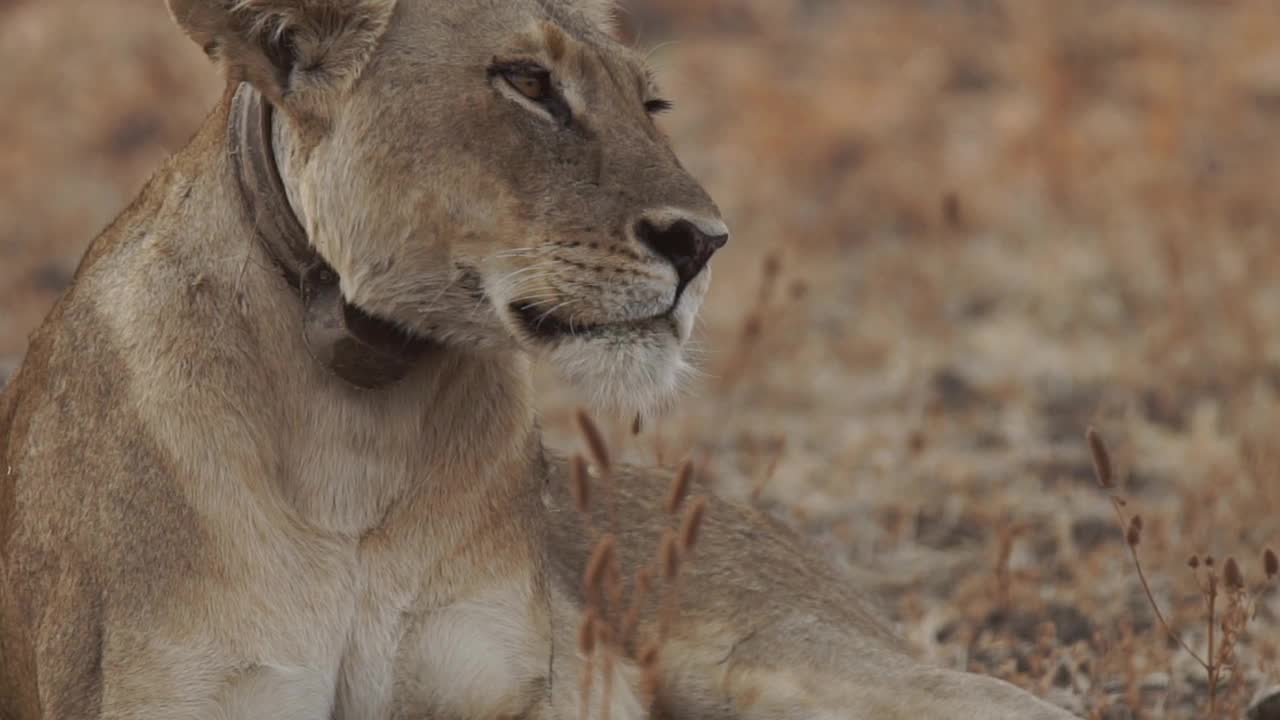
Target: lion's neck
225	382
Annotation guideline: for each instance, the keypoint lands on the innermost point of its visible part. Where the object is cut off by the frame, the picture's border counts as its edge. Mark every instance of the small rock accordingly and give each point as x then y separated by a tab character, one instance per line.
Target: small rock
1054	472
1155	681
1067	411
1062	676
1266	706
1118	711
953	391
1161	408
1072	625
935	529
987	439
1090	532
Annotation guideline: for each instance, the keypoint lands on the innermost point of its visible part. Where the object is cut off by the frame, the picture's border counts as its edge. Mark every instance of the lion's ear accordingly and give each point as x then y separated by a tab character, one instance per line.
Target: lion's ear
604	13
295	52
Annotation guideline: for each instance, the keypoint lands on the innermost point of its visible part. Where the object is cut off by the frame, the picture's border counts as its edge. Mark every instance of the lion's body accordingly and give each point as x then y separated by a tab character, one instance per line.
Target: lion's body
198	520
153	569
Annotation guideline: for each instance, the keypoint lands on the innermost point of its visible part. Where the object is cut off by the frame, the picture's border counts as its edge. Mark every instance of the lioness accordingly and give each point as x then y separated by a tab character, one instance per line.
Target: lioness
273	455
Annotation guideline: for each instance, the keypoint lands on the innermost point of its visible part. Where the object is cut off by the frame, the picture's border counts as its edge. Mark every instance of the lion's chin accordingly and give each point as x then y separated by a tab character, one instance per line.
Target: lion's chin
636	374
626	367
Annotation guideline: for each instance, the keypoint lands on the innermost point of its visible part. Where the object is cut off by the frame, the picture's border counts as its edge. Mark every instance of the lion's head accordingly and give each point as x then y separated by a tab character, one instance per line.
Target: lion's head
487	173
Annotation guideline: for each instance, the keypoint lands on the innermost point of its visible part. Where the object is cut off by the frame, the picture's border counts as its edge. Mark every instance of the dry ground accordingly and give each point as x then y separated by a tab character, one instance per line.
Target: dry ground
965	231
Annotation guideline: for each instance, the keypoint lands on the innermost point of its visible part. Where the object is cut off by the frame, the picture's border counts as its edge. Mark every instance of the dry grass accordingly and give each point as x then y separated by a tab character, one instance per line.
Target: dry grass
1221	673
965	231
610	629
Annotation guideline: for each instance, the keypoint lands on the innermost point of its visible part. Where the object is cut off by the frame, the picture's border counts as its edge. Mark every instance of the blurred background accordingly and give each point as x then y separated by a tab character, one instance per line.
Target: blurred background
965	231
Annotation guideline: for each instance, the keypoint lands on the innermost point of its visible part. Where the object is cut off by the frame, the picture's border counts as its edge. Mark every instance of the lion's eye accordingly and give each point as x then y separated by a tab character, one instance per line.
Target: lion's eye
535	85
533	82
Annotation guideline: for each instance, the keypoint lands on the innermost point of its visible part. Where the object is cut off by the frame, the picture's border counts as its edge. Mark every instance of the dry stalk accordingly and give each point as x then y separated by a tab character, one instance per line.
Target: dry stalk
679	487
613	583
1224	629
608	633
587	644
587	633
669	564
1004	553
596	445
1133	533
692	524
757	488
1101	460
598	450
1211	598
631	620
650	659
669	554
752	325
607	691
594	576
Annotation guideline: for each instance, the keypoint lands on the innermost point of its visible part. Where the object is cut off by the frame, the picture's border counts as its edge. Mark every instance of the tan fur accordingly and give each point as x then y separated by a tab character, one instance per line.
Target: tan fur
198	521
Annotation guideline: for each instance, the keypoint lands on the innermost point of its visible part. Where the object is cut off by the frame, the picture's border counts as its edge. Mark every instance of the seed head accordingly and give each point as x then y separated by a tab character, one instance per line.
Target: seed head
1270	564
669	554
651	680
598	565
1134	535
692	523
649	655
604	634
1193	562
1231	575
679	486
1101	460
644	582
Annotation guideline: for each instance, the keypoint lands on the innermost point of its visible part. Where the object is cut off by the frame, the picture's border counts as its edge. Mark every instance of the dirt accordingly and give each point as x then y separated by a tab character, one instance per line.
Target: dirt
964	231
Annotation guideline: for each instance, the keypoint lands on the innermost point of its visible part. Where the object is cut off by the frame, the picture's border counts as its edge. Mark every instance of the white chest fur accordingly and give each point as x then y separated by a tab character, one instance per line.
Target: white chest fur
484	657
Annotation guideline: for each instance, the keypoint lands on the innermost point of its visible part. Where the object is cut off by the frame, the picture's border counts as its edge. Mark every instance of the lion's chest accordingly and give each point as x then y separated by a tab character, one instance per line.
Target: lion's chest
444	620
482	655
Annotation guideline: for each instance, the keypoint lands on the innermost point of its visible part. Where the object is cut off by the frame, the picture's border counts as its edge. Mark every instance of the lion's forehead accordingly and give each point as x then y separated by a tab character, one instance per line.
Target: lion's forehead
464	34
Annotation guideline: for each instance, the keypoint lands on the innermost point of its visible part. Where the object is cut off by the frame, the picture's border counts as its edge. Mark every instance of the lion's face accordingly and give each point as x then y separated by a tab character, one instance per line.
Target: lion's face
495	178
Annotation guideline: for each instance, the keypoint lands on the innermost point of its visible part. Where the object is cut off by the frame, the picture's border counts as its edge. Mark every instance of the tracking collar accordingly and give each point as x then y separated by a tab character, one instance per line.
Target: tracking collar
363	350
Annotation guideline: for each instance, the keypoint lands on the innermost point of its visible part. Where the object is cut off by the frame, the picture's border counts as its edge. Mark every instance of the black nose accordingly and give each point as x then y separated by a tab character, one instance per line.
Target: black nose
683	243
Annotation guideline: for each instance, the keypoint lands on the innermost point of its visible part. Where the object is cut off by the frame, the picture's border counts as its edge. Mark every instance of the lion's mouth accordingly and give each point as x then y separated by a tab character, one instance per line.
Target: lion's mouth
544	325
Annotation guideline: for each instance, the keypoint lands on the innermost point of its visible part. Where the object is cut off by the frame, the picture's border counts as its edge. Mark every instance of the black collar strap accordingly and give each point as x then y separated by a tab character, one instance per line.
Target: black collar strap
363	350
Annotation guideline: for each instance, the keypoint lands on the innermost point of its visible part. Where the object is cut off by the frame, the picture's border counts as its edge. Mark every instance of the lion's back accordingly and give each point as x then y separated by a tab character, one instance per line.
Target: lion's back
33	567
88	511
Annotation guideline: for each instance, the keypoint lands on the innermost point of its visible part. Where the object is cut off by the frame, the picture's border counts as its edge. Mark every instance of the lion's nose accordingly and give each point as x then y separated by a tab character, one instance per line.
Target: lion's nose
688	244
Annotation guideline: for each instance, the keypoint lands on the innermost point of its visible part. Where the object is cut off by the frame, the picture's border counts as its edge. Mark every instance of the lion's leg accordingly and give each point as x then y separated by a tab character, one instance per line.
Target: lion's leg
597	684
276	692
805	673
763	626
182	683
146	692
